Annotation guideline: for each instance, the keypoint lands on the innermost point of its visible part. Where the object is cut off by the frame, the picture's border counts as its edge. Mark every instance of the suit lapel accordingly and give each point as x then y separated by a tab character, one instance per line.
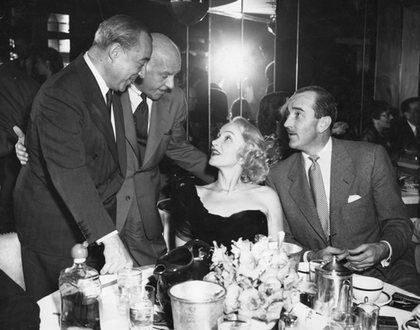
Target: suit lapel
342	176
120	131
300	192
159	117
130	130
96	104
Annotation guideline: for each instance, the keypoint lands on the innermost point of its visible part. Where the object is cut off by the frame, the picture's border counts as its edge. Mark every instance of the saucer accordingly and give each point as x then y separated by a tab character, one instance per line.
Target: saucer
384	299
408	327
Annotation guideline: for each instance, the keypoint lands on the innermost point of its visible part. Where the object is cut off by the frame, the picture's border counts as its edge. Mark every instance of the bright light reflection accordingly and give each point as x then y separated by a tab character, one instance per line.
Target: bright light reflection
231	62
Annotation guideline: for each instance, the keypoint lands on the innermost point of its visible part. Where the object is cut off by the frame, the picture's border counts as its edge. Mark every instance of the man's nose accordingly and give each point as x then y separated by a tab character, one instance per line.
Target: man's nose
288	122
170	82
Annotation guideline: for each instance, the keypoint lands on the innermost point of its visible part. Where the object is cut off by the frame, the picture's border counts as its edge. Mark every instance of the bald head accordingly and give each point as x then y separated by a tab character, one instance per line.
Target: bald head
157	77
165	50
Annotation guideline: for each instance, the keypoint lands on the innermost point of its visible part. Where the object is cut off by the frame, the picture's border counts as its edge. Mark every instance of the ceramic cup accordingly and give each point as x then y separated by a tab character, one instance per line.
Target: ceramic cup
366	286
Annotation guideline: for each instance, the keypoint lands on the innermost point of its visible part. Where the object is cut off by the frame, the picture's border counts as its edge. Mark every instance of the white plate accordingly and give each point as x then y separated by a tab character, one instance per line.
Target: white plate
384	299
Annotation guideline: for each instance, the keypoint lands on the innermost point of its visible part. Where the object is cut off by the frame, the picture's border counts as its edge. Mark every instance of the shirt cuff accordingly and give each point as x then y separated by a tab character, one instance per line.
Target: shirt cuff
387	261
103	238
305	256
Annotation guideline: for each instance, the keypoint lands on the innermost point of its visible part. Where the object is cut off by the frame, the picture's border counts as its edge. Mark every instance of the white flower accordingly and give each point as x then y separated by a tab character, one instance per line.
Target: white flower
258	278
232	298
249	300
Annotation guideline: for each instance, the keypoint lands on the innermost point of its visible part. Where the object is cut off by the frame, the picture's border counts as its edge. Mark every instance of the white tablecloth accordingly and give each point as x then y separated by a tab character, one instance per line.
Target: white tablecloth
111	318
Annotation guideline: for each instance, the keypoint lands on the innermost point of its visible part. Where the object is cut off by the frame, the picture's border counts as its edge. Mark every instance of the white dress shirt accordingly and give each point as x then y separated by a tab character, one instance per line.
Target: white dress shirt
413	128
102	85
324	162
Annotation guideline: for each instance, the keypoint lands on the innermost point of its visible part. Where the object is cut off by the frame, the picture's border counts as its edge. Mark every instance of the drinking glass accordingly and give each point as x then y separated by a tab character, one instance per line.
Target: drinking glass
142	302
127	279
349	321
368	313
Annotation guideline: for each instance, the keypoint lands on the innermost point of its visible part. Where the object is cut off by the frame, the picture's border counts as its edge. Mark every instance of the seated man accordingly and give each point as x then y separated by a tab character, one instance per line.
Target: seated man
404	129
341	197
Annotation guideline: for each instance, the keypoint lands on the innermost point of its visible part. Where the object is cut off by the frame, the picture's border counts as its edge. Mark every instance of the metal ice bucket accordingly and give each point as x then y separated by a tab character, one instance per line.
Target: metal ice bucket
196	305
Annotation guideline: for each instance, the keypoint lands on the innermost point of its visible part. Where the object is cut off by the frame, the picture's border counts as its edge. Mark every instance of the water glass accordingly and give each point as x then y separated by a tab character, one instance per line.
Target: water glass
350	321
127	279
368	313
142	302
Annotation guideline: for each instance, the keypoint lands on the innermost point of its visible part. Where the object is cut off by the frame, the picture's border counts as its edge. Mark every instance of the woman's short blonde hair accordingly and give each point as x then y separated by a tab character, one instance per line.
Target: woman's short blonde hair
255	167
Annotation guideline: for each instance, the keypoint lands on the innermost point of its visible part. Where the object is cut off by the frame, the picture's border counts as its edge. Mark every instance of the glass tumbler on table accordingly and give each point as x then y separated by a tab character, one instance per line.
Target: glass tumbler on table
368	313
142	302
128	279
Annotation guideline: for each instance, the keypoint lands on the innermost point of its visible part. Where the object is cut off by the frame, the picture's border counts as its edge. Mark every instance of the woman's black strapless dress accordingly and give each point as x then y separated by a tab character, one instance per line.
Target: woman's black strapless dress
193	221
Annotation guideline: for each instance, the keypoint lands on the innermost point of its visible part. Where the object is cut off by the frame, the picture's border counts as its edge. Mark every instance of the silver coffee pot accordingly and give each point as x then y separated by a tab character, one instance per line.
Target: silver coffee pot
333	296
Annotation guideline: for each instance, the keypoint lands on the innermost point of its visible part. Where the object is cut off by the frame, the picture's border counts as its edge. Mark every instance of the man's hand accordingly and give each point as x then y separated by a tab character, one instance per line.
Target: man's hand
367	255
116	255
327	254
20	149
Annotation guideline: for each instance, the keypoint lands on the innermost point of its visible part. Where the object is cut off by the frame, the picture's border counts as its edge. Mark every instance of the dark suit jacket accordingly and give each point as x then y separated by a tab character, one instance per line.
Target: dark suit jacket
404	138
166	137
66	193
357	168
17	91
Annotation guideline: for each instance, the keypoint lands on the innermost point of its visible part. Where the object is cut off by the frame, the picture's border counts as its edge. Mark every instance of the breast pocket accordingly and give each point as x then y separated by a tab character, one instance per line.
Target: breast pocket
360	212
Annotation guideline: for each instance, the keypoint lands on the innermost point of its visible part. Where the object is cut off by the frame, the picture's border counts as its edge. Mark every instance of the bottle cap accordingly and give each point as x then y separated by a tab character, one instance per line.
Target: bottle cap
79	253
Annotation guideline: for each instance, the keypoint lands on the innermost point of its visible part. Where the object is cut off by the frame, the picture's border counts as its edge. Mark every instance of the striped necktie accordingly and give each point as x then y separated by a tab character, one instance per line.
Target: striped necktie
318	194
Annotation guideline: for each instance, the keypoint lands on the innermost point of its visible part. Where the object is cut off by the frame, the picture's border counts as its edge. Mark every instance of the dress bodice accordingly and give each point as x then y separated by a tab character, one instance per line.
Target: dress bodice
193	220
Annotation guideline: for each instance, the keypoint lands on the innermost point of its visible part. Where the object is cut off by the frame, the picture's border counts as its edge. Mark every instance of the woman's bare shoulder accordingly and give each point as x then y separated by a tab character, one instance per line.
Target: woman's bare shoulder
266	194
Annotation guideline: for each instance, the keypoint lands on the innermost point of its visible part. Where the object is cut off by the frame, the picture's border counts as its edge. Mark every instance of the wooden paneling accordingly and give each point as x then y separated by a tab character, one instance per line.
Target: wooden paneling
388	52
410	54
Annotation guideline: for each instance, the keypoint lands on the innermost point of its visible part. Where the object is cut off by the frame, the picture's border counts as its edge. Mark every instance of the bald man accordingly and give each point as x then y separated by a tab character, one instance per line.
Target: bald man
138	220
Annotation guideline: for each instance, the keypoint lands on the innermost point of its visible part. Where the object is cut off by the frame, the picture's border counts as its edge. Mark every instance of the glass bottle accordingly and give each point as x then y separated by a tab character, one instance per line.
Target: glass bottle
80	291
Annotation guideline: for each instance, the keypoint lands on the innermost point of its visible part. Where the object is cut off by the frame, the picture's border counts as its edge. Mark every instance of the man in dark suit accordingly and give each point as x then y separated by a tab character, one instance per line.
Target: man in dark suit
17	91
138	220
341	198
405	129
67	192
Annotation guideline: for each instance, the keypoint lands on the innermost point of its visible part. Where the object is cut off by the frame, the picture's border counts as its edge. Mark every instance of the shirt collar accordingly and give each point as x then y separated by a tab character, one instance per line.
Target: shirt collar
324	153
101	82
413	127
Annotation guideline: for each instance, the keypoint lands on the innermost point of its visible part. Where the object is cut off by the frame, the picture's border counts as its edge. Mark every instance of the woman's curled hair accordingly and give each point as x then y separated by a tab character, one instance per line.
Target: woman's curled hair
255	167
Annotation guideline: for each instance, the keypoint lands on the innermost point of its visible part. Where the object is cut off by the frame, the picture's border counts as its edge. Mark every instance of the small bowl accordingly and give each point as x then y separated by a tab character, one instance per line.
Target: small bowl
366	287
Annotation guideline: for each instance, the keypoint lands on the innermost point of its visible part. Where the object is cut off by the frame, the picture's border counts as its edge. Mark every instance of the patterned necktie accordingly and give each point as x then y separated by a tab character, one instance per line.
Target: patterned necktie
109	101
319	195
141	119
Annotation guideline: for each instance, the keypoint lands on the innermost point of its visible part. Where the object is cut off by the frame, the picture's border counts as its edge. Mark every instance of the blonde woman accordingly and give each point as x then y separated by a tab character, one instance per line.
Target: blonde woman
235	205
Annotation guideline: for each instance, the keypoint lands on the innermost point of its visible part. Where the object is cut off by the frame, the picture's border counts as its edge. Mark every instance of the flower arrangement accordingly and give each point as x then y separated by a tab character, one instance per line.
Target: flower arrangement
259	279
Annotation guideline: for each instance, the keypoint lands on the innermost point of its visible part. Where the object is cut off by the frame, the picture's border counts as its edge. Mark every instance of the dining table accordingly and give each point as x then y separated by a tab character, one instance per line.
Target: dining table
112	318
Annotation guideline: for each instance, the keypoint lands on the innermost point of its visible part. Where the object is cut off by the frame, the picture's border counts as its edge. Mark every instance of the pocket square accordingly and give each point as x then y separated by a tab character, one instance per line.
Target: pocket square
353	198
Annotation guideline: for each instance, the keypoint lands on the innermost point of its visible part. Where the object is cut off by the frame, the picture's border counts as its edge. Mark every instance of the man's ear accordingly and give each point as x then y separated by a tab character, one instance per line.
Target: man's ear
142	72
324	124
114	51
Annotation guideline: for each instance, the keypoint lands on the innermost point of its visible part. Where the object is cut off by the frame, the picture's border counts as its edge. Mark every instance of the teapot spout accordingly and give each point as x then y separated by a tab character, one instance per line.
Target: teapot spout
159	269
